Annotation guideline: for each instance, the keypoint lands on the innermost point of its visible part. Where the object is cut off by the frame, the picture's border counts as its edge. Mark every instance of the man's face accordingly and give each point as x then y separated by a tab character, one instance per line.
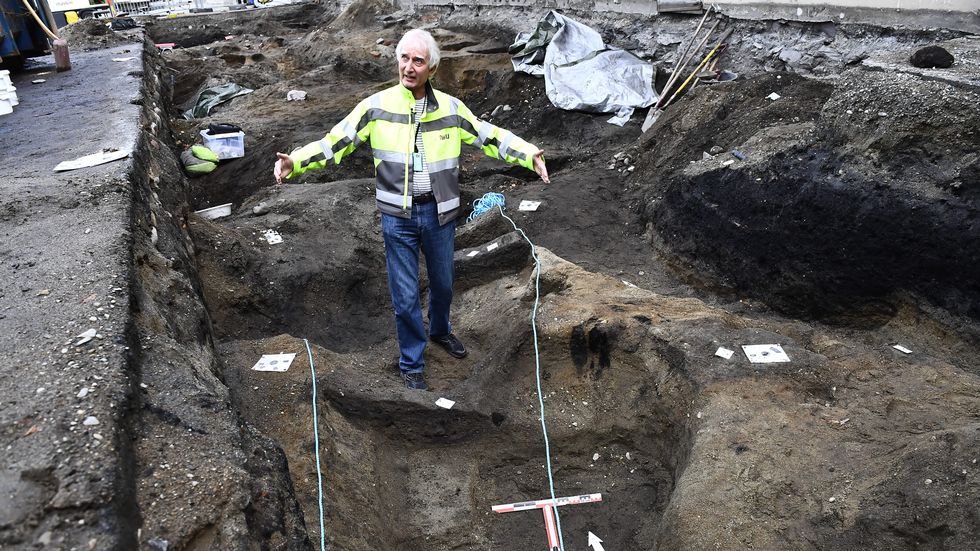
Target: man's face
413	68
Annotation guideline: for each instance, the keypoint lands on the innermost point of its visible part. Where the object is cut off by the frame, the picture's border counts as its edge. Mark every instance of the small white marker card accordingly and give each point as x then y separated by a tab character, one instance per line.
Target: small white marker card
723	352
765	353
529	205
272	237
901	348
274	362
473	253
445	403
492	246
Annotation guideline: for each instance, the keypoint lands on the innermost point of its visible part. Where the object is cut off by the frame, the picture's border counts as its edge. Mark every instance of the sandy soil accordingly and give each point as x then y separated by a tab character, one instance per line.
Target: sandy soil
652	256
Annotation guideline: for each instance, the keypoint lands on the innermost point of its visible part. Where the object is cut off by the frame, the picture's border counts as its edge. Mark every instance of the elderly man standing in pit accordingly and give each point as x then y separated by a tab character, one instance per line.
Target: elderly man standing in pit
415	133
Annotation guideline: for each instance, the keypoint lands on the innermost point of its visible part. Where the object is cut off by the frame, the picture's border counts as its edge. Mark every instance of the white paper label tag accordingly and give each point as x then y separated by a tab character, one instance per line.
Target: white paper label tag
765	353
272	236
491	247
901	348
723	352
445	403
274	362
529	205
473	253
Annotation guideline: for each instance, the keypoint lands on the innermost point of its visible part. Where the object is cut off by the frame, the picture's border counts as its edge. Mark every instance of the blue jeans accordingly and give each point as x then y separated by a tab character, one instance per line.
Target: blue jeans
403	237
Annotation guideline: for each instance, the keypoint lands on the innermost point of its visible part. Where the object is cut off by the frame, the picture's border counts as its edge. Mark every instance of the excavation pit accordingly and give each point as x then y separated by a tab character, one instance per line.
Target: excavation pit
646	271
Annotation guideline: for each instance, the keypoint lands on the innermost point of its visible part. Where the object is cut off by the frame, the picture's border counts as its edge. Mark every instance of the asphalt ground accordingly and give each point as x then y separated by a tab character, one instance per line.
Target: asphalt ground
65	266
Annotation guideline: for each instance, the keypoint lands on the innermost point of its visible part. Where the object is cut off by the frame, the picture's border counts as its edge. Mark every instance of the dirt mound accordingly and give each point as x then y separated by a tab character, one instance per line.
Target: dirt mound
95	34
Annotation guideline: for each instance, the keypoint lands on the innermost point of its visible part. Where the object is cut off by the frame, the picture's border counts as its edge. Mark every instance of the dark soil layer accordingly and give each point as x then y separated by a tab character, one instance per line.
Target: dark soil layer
850	194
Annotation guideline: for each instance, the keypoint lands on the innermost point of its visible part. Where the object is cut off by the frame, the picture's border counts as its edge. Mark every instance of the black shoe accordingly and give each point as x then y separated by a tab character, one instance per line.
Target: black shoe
451	344
415	381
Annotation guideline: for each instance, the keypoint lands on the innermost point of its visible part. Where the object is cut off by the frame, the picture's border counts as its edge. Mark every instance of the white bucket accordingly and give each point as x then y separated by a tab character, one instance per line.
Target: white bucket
5	107
215	212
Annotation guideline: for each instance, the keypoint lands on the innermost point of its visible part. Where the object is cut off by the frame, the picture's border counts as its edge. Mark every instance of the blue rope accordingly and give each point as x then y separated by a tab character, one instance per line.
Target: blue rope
316	445
481	205
487	202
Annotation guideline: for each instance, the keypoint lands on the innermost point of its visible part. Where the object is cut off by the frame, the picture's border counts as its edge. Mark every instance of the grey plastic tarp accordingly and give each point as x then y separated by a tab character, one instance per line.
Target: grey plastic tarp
582	73
211	97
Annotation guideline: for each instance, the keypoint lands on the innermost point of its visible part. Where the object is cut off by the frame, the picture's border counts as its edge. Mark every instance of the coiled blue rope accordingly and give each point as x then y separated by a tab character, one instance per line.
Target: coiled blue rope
316	446
487	202
480	206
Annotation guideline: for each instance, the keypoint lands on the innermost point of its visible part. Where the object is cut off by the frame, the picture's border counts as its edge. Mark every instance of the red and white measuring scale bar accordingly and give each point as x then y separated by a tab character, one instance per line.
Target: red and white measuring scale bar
547	507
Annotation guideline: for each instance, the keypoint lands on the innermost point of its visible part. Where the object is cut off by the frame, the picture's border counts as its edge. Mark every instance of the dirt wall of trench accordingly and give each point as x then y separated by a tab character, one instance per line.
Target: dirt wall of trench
203	478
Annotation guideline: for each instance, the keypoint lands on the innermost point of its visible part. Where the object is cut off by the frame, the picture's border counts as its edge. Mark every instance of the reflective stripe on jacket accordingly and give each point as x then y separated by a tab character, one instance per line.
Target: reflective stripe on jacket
385	121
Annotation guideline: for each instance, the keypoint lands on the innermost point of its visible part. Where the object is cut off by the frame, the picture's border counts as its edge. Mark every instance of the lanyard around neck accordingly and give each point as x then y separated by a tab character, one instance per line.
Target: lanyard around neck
418	123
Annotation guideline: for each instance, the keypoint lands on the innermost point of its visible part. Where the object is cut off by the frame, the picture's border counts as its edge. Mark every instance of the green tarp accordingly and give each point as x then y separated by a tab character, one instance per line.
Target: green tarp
210	97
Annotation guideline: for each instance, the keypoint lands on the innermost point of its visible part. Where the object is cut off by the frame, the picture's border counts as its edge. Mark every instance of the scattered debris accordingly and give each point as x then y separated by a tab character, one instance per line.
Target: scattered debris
278	363
765	353
166	46
122	59
901	348
90	421
773	96
105	156
86	337
738	155
260	209
43	293
38	81
296	95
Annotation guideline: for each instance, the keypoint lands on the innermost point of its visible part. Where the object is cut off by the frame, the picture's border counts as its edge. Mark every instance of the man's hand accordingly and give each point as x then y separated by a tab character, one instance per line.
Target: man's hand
540	168
284	167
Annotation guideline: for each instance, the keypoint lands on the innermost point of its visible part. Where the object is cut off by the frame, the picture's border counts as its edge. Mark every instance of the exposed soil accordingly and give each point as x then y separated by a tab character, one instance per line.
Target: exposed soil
848	227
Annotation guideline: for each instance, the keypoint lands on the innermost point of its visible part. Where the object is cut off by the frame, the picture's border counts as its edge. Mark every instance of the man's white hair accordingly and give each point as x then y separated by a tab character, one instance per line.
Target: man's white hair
422	38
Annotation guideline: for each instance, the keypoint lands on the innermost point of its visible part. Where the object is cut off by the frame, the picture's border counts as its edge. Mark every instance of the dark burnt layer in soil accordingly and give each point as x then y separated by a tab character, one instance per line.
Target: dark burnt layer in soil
846	198
819	244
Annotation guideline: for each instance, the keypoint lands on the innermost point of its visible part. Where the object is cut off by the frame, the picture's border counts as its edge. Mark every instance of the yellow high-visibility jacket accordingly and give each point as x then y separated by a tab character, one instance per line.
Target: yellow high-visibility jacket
385	120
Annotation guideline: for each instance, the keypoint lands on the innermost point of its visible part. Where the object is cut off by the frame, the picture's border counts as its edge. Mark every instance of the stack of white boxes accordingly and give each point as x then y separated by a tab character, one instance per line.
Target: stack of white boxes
8	94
